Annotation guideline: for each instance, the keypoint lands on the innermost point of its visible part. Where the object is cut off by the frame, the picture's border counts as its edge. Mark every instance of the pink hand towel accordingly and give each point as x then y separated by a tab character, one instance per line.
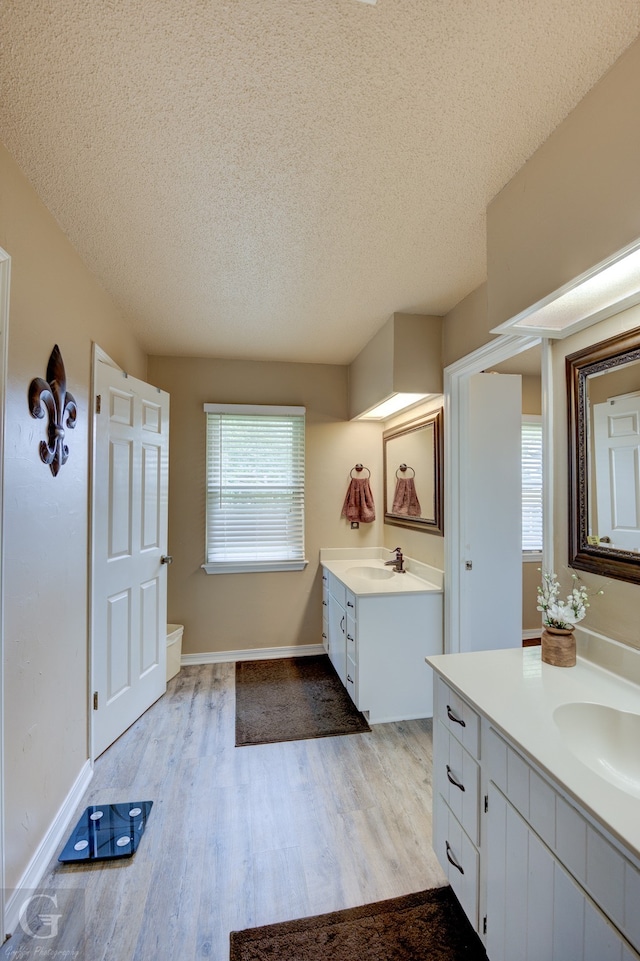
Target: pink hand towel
405	499
358	503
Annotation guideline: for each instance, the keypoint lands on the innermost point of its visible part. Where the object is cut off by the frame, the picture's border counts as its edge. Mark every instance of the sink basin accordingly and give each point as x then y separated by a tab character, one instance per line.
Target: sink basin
605	739
371	573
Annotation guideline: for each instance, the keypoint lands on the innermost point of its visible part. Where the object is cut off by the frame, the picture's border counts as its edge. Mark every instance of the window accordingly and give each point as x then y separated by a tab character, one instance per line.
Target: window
255	488
532	485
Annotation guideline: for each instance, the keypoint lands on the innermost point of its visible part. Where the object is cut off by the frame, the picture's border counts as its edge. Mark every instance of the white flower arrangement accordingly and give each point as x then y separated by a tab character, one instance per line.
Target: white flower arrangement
563	615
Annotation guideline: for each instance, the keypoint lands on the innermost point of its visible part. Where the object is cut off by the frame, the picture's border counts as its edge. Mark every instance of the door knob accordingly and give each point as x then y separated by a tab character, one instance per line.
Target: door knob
166	559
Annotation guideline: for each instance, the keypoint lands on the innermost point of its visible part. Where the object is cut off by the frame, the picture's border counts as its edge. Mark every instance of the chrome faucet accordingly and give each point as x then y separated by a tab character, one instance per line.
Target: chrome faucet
397	561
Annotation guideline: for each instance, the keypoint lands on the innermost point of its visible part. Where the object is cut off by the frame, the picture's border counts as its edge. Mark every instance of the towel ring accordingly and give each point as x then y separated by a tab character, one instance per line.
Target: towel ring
359	468
404	468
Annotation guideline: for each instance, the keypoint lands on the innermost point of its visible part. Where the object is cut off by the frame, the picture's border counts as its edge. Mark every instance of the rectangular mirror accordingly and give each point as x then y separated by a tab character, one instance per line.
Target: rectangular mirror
603	383
413	466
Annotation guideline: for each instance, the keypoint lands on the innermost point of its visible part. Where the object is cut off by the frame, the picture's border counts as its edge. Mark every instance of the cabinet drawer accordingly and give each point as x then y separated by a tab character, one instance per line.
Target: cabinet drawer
457	778
336	588
458	717
458	857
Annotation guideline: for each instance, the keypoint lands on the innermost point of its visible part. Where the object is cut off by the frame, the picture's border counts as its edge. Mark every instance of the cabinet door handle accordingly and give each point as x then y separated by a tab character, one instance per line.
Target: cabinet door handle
342	624
324	604
350	679
452	717
349	638
452	860
349	604
452	780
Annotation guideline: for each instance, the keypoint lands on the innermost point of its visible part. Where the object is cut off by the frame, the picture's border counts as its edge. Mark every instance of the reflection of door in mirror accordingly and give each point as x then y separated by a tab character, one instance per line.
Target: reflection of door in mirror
615	508
603	384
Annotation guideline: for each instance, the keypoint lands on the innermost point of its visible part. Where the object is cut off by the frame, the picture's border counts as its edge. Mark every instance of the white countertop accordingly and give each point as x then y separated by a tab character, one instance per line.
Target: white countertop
347	565
518	693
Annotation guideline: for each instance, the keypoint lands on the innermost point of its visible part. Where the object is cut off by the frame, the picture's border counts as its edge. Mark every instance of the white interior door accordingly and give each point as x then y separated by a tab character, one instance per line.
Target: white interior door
129	572
491	487
616	428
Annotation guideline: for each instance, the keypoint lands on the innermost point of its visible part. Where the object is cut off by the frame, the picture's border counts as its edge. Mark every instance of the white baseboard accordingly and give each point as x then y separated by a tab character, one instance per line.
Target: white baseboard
532	633
257	654
47	847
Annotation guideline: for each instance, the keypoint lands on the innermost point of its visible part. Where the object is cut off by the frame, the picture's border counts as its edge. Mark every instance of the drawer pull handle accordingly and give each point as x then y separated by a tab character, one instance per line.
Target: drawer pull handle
349	604
452	860
350	679
452	717
452	780
349	638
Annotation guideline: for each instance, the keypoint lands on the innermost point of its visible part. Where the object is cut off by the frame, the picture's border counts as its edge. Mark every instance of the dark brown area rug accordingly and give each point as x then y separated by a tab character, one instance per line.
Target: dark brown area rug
429	926
291	699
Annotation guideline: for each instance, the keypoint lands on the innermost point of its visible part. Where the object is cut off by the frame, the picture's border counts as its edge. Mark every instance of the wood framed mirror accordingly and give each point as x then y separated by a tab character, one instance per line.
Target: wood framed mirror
603	390
413	469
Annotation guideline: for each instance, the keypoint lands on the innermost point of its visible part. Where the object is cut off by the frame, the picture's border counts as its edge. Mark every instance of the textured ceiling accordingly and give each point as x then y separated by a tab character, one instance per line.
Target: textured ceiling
272	179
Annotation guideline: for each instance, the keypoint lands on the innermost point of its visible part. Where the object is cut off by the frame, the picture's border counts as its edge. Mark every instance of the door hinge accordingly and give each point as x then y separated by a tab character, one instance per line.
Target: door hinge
486	803
95	700
484	925
98	403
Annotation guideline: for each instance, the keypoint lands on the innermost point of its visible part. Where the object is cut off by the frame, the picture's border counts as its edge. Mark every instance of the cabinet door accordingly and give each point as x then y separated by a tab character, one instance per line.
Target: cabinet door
535	909
337	638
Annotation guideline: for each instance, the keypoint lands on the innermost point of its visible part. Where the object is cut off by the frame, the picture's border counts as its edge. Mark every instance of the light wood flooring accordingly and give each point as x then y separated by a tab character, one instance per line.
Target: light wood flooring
240	837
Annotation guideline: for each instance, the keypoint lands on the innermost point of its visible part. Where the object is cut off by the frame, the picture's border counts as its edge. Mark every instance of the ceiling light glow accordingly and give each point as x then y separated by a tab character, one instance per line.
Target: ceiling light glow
392	405
606	289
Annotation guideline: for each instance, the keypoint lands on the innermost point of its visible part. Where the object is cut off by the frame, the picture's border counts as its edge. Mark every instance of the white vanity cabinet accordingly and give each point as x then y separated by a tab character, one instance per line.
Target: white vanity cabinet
378	644
538	877
336	625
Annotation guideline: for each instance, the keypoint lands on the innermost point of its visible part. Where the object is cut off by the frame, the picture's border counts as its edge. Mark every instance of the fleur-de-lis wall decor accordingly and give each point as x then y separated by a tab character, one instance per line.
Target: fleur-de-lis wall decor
51	395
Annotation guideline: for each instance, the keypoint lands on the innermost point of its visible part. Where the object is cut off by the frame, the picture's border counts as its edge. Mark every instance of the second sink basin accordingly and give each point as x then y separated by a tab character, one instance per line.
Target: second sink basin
605	739
371	573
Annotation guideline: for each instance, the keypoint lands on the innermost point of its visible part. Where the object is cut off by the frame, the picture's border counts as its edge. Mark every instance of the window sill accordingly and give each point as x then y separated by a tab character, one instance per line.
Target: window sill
254	567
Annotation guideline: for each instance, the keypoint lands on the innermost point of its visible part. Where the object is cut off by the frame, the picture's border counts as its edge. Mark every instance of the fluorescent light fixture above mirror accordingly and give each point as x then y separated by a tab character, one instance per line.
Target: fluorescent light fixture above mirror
392	405
604	290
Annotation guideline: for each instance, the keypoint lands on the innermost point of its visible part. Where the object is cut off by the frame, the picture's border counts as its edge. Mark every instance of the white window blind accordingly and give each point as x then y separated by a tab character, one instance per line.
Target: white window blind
532	485
255	488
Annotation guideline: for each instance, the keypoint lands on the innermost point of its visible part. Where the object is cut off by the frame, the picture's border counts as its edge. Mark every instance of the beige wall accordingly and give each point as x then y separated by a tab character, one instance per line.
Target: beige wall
225	612
54	299
575	202
466	327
